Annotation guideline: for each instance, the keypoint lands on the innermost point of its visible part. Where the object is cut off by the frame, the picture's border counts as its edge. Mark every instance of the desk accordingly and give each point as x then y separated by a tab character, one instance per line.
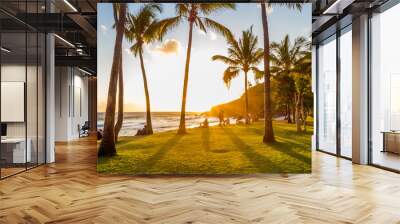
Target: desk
391	141
13	150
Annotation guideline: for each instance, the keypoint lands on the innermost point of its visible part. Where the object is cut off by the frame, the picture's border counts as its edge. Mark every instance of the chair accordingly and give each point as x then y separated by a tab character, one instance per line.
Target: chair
84	130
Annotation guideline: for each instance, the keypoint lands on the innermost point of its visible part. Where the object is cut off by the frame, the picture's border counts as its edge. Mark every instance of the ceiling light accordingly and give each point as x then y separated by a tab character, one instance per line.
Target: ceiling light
337	7
327	11
84	71
65	41
5	50
70	5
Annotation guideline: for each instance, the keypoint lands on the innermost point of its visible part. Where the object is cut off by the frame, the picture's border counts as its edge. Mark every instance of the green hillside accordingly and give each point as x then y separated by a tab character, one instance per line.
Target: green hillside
236	107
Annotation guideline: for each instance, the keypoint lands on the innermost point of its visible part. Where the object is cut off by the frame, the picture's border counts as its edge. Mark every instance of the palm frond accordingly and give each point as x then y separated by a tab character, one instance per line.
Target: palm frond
182	9
297	6
229	74
225	60
201	25
258	74
167	25
208	8
219	28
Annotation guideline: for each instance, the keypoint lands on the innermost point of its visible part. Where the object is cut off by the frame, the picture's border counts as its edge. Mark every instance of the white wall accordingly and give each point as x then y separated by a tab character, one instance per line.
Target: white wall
71	102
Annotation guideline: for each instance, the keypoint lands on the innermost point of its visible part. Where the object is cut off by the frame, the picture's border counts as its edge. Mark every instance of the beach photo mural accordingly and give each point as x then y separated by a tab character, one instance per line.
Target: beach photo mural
204	88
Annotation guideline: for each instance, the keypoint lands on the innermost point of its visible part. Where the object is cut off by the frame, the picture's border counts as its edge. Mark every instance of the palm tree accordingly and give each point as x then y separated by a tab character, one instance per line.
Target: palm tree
302	77
107	145
243	55
268	131
143	28
290	60
196	15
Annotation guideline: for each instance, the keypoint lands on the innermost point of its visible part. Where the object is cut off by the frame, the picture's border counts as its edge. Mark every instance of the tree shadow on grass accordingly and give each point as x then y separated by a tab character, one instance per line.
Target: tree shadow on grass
287	148
285	145
152	160
205	137
262	163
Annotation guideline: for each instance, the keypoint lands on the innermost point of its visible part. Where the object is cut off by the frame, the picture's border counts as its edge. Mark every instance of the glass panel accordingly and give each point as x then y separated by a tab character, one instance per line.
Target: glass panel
31	98
41	99
13	79
385	84
327	96
346	94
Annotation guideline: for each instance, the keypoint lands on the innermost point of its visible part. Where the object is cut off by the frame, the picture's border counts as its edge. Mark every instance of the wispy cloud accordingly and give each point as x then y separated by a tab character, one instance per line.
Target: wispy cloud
210	34
103	28
170	46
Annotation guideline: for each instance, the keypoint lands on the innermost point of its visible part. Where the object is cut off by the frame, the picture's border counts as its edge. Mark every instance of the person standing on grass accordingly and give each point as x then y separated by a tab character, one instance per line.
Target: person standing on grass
221	118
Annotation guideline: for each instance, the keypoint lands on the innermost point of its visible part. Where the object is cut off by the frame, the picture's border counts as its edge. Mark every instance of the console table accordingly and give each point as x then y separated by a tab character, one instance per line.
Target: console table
391	141
13	150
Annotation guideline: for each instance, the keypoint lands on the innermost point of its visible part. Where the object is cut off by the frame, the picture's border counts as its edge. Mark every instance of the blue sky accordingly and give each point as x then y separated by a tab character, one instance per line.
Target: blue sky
165	67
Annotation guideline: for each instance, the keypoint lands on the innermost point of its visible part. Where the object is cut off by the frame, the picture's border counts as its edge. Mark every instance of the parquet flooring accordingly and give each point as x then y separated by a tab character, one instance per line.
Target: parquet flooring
70	191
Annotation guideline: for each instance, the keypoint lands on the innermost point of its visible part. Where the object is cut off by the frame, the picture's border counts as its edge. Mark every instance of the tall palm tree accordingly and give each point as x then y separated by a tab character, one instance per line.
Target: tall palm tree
268	130
243	55
196	15
143	28
107	145
289	60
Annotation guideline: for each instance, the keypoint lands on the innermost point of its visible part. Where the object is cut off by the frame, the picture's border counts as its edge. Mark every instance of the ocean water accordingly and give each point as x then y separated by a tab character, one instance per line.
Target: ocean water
162	121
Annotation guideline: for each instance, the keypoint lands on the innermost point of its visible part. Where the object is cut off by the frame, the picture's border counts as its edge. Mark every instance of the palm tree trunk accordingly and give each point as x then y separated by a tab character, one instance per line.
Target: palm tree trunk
304	114
293	104
297	109
149	130
182	125
107	145
246	99
289	114
120	116
268	131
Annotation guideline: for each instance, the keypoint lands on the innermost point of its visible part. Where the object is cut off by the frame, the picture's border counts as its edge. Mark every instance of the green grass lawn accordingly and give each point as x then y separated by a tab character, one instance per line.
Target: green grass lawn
236	149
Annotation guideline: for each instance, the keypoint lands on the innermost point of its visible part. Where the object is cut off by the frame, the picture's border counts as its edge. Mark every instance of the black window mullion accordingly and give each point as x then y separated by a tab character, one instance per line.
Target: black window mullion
338	93
37	90
26	86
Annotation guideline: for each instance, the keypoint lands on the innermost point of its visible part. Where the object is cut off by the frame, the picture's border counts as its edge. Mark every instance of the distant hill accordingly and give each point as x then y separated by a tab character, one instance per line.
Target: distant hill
236	107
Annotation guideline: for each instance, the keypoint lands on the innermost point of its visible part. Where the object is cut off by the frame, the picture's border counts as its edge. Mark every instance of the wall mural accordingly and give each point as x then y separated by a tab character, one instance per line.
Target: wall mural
183	88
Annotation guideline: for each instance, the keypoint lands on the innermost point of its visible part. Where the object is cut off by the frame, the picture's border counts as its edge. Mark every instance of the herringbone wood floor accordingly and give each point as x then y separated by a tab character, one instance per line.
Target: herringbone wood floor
70	191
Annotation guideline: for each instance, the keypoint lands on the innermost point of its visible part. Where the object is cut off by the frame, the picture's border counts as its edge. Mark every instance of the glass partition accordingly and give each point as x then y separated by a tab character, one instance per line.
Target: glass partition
13	86
22	77
327	95
385	89
346	92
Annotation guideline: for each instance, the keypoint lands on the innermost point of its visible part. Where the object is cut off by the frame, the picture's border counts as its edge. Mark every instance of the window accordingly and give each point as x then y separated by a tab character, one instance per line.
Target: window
327	95
385	89
346	92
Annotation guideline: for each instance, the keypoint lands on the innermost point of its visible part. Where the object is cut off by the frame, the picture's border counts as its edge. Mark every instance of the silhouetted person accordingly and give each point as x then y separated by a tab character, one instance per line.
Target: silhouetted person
204	124
142	131
221	117
227	121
